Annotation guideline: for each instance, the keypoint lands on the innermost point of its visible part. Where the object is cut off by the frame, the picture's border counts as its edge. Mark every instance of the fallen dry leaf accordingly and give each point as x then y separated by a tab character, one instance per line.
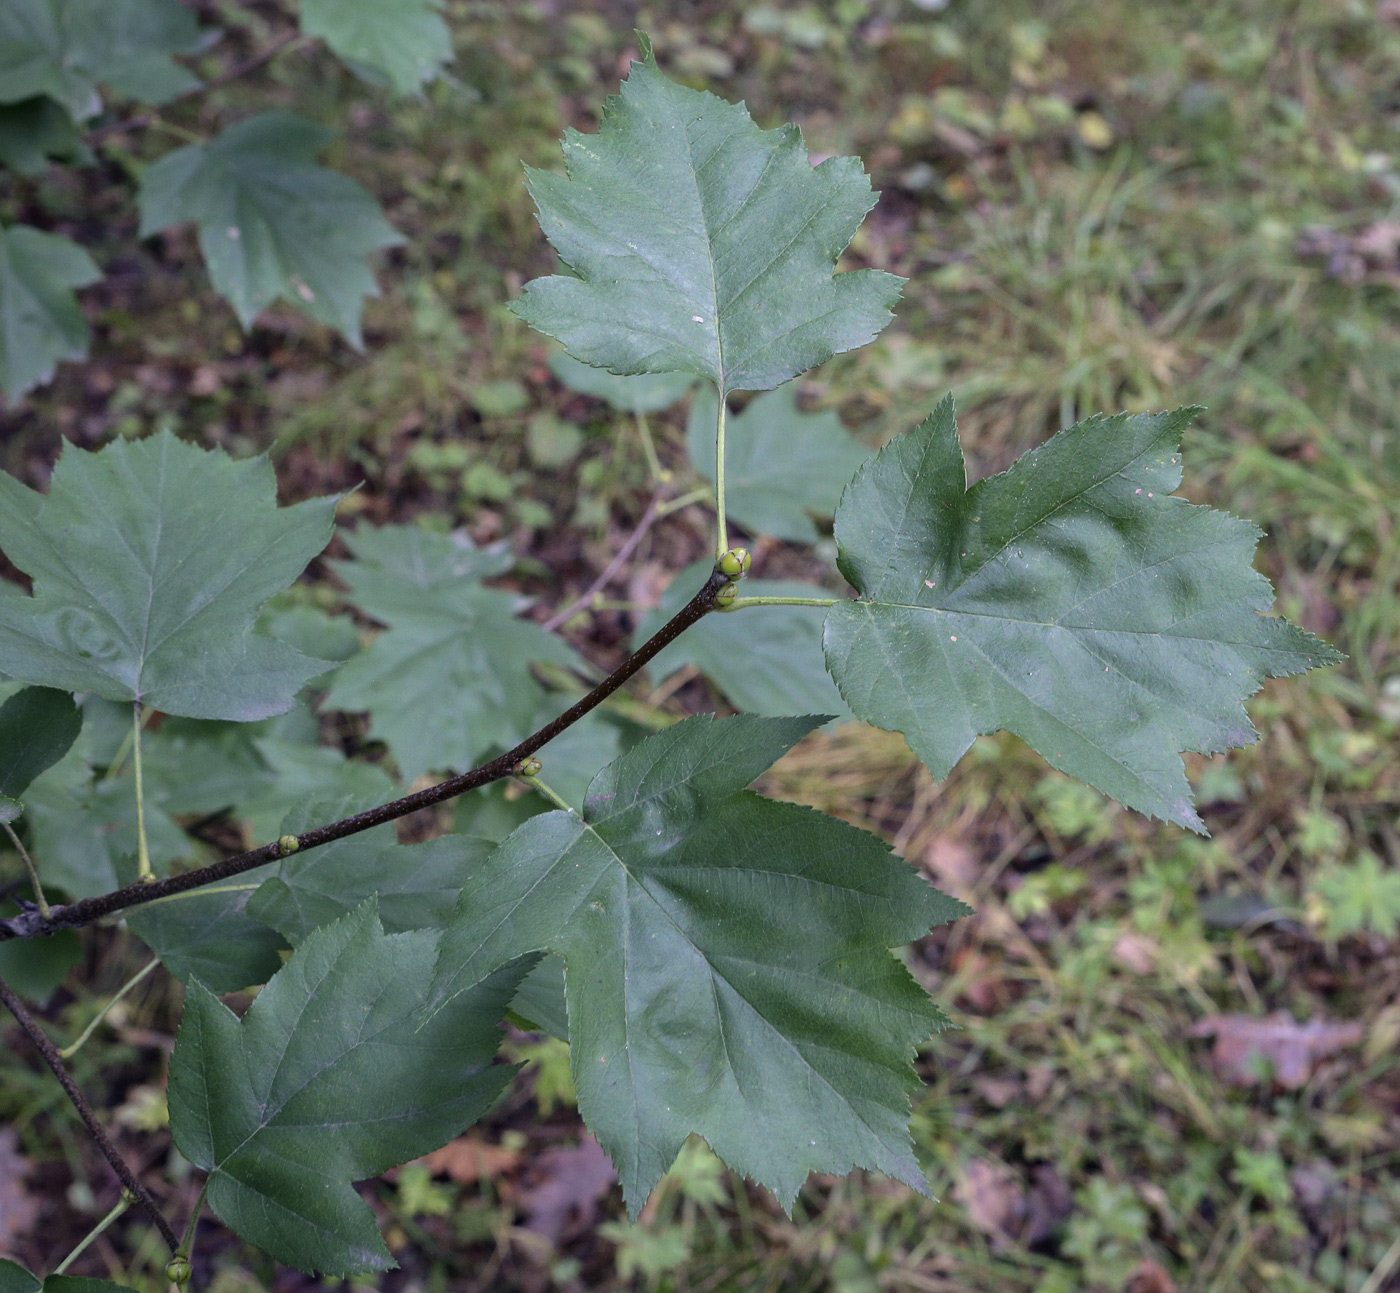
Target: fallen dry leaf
1136	952
993	1197
469	1158
953	865
572	1179
1150	1277
1290	1048
19	1210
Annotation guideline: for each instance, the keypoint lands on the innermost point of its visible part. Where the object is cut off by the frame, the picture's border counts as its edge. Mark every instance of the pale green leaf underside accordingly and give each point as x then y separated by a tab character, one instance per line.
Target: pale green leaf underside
782	466
41	322
150	559
726	962
644	393
272	224
334	1074
1069	600
767	660
407	41
702	244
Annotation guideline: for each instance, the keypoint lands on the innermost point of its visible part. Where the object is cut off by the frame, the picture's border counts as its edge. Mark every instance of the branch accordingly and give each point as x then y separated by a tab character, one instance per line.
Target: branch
613	566
109	1151
31	923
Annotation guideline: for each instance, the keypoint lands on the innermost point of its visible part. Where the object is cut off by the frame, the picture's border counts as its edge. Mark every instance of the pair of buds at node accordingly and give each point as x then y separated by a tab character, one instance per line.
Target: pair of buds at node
733	565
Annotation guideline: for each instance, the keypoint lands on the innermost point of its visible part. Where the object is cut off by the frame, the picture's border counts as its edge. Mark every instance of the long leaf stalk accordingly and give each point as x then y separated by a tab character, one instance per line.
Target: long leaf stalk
90	910
721	525
54	1060
31	868
144	873
74	1047
118	1208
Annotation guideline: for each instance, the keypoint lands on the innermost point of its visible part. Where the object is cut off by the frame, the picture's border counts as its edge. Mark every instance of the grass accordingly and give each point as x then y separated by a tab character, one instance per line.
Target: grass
1099	205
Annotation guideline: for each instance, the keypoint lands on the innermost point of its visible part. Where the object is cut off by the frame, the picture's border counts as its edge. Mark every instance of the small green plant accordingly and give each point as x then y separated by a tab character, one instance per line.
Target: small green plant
718	961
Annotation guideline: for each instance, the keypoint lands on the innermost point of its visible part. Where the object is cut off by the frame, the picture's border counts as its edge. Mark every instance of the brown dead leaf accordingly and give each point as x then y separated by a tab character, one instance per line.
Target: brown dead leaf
953	865
1291	1049
1151	1277
469	1158
999	1091
572	1179
1049	1204
993	1197
19	1210
1136	952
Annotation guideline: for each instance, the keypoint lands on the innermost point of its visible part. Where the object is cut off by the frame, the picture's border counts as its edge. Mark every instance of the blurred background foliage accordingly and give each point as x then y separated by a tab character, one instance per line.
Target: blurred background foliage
1179	1060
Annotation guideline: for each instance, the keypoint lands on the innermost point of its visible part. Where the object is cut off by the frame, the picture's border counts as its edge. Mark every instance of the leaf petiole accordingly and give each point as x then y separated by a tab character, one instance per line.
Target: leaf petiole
144	874
121	1205
722	529
533	781
29	866
700	495
69	1051
743	603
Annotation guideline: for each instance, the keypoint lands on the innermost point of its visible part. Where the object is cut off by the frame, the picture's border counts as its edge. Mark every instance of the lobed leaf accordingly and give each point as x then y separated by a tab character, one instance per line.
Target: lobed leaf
727	964
335	1073
150	559
66	48
272	224
1069	600
451	676
407	43
35	130
40	319
781	466
701	244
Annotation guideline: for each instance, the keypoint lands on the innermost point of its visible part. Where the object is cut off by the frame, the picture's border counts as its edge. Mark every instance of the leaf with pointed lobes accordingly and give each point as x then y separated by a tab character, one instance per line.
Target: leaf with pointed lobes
336	1073
150	559
701	244
727	961
1070	600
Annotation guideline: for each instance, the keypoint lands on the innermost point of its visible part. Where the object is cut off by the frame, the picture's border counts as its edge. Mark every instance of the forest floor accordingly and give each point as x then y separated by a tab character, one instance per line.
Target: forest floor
1177	1063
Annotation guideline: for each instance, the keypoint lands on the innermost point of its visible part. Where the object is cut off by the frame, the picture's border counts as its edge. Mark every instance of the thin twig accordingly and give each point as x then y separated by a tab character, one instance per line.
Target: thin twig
51	1057
619	560
249	64
30	924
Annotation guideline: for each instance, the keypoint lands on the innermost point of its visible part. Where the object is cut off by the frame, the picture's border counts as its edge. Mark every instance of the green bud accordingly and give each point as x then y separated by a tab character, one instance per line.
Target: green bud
529	767
177	1270
734	563
724	599
129	1197
287	844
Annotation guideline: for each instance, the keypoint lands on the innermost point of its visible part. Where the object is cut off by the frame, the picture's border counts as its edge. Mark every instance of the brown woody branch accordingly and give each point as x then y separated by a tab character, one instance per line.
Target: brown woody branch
31	923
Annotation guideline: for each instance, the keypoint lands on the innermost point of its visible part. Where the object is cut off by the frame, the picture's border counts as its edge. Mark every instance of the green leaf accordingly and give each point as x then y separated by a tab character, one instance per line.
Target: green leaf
768	659
645	393
40	319
303	774
335	1073
150	559
416	884
82	1284
66	48
782	466
272	224
15	1279
408	42
701	244
36	130
207	934
450	677
726	962
1069	600
37	728
83	829
35	967
1360	895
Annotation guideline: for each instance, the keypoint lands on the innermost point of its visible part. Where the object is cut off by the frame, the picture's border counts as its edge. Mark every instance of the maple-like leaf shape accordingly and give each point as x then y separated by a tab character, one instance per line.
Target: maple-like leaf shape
1070	600
702	244
727	961
335	1073
150	559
